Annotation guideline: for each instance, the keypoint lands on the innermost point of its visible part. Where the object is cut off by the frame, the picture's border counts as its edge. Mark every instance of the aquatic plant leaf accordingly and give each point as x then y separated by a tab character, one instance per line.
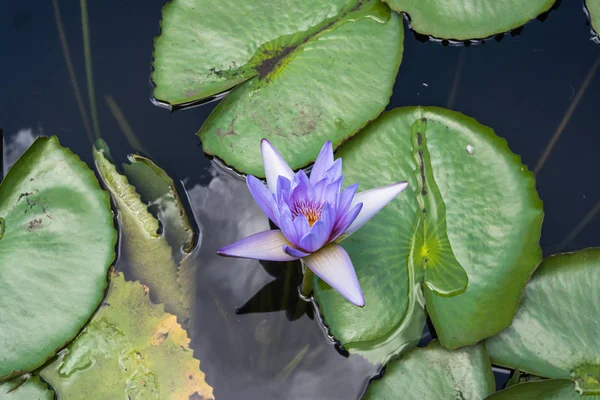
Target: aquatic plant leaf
434	372
493	221
556	331
58	243
134	348
157	188
520	377
318	70
593	7
469	19
552	389
148	253
25	388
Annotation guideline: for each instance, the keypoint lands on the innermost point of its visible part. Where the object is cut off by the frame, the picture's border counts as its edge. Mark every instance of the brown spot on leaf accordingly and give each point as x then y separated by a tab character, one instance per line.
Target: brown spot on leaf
269	64
35	224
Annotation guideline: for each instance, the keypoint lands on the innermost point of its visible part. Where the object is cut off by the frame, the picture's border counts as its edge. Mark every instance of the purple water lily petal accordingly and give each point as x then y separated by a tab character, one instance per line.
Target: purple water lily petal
333	265
322	163
373	201
294	252
335	171
301	189
302	227
343	223
275	165
266	245
286	224
346	199
264	198
284	187
332	191
316	238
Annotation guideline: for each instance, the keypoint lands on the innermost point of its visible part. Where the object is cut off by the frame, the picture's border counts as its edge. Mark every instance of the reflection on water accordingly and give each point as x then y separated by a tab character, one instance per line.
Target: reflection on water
257	352
16	144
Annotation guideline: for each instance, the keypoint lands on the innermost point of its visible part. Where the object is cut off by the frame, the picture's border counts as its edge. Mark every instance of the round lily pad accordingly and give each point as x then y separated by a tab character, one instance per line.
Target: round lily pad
553	389
434	372
57	246
593	7
480	215
311	71
25	388
556	332
469	19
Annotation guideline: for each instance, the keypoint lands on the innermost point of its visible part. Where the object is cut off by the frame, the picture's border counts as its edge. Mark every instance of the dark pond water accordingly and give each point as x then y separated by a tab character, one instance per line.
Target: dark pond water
521	85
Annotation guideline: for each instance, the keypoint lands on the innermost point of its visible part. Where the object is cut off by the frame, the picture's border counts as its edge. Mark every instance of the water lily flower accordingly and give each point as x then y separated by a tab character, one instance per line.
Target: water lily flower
313	215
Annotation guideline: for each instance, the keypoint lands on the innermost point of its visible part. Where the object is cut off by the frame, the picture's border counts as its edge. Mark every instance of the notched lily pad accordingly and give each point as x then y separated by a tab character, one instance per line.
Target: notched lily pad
481	227
57	245
434	372
318	71
469	19
147	252
556	331
136	349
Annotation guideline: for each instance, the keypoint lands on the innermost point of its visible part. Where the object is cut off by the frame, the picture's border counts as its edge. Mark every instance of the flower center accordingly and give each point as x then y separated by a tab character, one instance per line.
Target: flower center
310	209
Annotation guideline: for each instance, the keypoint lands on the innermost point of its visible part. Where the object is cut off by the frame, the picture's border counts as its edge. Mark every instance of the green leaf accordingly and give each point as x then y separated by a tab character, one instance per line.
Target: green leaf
520	377
148	254
157	188
318	70
25	388
556	331
593	6
434	372
58	243
493	216
134	348
469	19
553	389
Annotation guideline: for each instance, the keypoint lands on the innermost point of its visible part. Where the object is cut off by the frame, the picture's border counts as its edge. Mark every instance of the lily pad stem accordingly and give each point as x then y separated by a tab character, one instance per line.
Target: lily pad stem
307	282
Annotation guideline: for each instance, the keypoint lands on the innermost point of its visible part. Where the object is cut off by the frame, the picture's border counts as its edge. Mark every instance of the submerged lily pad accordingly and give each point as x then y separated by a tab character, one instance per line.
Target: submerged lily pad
493	221
133	348
147	252
553	389
556	332
312	70
434	372
57	246
469	19
25	388
157	188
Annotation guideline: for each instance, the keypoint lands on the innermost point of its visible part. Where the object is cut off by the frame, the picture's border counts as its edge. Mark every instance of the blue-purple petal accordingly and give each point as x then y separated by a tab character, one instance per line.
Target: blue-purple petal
283	188
302	227
316	238
286	224
346	199
322	163
266	245
343	223
333	265
294	252
264	198
335	171
275	165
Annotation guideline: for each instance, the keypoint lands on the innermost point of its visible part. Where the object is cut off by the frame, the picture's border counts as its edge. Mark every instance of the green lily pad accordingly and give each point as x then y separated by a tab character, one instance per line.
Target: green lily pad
556	332
157	188
434	372
593	7
147	253
553	389
25	388
520	377
58	243
469	19
493	221
312	70
134	348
